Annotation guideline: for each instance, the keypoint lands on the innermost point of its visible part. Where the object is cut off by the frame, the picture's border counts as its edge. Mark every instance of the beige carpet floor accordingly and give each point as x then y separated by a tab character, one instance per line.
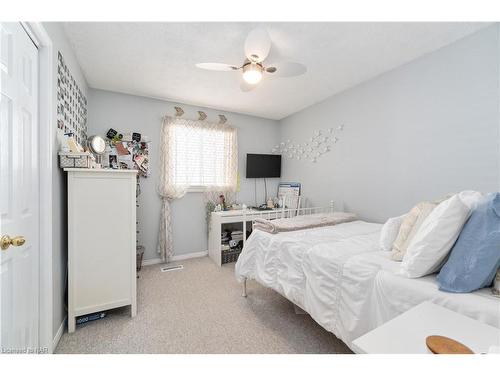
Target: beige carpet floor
200	310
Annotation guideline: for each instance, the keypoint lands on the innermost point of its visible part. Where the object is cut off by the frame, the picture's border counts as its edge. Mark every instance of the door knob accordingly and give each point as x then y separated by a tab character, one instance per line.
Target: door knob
6	241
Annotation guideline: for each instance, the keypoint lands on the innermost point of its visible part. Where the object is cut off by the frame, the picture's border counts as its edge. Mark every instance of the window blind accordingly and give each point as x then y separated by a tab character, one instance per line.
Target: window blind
202	155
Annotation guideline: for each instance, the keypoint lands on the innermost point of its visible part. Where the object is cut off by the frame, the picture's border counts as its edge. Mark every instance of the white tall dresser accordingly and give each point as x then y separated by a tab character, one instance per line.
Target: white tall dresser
101	241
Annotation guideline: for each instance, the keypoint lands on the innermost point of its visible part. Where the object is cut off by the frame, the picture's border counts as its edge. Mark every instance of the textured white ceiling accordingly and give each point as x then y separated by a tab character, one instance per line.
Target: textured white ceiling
158	59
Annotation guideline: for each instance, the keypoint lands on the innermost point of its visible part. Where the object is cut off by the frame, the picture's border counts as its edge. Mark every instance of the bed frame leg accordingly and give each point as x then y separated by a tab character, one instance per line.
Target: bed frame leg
244	294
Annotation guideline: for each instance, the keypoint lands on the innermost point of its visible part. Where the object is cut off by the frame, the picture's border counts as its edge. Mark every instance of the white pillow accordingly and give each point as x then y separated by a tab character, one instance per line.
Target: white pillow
431	244
470	198
390	231
409	227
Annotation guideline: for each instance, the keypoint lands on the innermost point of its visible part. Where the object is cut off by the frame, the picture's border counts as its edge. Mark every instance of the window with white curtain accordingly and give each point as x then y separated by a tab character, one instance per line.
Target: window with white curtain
200	155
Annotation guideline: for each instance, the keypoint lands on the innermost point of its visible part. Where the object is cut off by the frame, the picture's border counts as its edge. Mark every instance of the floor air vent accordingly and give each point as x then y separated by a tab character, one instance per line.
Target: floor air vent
172	268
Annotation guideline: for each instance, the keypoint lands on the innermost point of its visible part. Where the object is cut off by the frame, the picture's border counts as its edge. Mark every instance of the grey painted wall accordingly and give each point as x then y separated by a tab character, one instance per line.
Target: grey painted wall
418	132
127	112
59	204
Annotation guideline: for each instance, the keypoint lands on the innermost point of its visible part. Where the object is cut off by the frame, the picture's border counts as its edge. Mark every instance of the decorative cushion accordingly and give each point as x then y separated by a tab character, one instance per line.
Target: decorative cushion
471	198
433	241
389	232
475	258
409	226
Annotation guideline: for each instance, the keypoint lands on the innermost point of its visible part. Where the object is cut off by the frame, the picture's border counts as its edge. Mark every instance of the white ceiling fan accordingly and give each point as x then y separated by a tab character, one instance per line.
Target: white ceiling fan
257	47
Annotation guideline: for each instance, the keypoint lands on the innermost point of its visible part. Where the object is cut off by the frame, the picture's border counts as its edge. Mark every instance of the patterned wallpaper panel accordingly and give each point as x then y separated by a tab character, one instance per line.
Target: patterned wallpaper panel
71	103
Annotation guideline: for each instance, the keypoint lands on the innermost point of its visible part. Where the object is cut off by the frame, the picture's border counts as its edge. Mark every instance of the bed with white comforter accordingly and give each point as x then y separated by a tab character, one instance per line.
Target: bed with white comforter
341	278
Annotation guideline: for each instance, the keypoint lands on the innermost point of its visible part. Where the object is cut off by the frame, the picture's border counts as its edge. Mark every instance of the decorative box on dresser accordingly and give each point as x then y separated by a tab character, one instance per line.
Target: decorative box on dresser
101	241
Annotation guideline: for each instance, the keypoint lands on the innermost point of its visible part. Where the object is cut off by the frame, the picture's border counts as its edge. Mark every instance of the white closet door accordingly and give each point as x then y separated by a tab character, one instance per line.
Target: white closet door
19	189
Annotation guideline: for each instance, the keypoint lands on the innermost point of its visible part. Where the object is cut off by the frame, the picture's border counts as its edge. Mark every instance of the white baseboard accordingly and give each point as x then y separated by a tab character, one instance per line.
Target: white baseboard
150	262
175	258
58	335
199	254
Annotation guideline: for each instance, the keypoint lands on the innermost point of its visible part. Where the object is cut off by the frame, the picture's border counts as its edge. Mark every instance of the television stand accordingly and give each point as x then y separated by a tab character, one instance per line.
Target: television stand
265	190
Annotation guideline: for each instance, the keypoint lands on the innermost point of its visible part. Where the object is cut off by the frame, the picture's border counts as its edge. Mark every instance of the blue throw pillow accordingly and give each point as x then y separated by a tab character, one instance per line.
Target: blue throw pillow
475	257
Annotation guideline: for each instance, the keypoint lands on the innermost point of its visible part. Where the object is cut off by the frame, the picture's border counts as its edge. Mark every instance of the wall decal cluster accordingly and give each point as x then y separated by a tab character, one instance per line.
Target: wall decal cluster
316	146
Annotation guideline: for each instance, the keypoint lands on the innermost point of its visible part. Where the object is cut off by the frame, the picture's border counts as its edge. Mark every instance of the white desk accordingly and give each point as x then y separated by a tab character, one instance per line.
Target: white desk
233	216
406	333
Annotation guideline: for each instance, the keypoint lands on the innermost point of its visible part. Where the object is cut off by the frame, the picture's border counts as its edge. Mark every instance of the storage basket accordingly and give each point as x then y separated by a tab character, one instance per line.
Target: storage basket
229	256
140	255
76	159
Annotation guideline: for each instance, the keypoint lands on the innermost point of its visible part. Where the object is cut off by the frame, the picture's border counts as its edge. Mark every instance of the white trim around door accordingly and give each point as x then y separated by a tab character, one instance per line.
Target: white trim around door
46	139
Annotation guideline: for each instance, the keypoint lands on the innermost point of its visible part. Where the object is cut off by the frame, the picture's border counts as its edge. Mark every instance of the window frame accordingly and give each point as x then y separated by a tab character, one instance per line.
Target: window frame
232	152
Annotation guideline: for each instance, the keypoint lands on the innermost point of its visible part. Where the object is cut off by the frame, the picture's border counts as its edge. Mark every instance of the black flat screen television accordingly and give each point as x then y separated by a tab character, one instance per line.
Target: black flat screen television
263	166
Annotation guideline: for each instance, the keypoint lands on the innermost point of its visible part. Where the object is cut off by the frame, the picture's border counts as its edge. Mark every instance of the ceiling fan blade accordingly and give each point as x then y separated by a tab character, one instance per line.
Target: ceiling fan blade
257	45
286	69
217	66
245	87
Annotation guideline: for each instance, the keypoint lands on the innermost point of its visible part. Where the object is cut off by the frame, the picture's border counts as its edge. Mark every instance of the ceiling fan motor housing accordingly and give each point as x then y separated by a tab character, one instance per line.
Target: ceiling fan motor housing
248	63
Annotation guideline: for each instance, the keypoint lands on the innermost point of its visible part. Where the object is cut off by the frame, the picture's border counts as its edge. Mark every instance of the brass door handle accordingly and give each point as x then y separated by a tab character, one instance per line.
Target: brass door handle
6	241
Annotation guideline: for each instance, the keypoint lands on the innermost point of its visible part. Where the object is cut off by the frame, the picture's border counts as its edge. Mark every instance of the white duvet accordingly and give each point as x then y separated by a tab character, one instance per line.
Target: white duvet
276	260
341	278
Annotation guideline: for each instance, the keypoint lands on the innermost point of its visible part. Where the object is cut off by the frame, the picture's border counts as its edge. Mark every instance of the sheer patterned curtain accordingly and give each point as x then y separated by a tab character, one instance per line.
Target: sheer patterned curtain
193	154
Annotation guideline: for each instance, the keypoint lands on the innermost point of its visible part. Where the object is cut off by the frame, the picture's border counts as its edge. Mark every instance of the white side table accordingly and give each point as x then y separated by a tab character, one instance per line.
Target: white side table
406	333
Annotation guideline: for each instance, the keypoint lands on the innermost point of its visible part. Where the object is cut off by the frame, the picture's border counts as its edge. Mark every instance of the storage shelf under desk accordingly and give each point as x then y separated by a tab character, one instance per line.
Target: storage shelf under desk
239	217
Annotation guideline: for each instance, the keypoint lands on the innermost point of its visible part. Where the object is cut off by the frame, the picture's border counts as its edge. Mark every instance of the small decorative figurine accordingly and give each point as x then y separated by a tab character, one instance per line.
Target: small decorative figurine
222	201
270	203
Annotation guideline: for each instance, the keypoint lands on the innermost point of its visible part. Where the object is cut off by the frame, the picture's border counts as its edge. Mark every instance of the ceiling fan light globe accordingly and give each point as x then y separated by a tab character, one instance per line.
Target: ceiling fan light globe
252	77
252	74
